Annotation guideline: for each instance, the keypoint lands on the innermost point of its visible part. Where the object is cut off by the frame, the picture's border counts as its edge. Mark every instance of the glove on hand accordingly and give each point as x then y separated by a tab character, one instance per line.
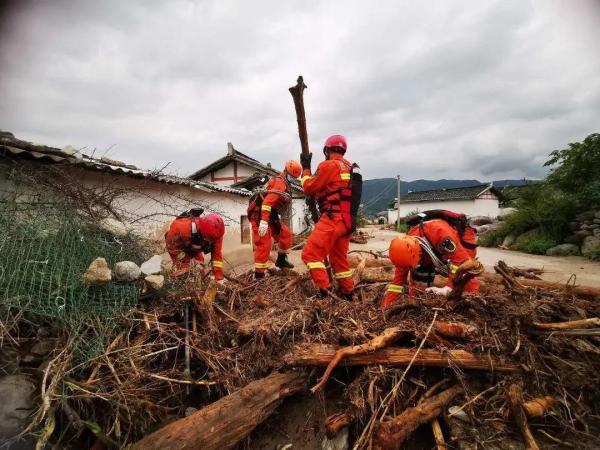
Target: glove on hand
263	227
305	160
445	291
222	282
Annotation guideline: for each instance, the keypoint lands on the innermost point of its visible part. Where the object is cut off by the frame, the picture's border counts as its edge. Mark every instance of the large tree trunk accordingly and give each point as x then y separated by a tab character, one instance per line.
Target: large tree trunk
321	354
224	423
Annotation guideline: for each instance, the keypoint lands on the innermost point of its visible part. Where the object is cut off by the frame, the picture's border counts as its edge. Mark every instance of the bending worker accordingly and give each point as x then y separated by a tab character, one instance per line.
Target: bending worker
439	241
336	185
190	236
264	213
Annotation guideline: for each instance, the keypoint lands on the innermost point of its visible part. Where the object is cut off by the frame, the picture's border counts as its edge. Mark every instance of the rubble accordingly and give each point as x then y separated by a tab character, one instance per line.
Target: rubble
155	282
152	266
127	271
16	393
97	273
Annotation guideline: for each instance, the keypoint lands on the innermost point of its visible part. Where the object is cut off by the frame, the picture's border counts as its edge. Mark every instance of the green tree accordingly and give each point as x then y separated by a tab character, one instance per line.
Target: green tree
577	171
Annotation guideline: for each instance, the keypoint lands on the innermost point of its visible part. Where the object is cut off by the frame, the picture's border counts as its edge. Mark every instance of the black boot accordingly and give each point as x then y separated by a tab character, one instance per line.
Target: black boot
349	296
282	261
259	275
323	293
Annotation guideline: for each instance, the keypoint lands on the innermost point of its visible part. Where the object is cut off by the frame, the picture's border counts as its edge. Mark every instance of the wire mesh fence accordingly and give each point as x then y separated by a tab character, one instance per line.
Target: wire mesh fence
45	247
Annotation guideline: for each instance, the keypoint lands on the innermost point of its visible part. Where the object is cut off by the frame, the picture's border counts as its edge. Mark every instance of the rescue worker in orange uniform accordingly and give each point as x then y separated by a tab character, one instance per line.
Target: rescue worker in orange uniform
412	256
264	214
190	236
331	234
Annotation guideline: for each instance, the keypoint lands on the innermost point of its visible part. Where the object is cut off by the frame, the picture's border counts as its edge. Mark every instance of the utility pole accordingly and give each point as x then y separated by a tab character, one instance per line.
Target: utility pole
398	202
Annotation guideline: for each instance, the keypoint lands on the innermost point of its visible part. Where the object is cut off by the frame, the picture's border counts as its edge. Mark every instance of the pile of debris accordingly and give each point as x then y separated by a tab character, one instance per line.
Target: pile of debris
516	364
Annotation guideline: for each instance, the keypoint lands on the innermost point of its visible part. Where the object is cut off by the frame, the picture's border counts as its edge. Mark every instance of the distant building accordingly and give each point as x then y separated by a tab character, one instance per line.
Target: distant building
479	200
241	171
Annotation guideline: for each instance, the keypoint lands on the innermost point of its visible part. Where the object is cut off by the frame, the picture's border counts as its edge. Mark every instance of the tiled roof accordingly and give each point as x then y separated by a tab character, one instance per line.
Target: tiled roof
463	193
234	155
15	148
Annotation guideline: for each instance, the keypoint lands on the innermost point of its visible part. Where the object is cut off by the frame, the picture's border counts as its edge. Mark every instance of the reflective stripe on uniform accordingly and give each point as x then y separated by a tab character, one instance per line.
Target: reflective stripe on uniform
315	265
303	179
346	274
453	268
397	288
217	263
261	265
266	208
345	176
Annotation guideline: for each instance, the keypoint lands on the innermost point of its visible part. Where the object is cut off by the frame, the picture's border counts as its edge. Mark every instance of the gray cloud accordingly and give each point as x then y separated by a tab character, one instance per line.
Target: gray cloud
440	89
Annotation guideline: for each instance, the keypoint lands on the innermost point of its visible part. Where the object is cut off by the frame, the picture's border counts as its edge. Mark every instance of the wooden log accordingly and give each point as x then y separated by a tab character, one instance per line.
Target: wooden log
581	291
354	261
335	422
226	422
388	336
438	435
539	406
321	354
391	433
456	330
515	400
571	325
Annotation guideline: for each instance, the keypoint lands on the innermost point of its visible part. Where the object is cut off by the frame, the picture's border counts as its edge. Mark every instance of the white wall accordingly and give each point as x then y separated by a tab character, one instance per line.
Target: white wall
477	207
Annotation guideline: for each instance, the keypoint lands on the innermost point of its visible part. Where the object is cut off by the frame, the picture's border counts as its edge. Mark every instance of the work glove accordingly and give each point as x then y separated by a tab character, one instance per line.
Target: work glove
222	282
445	291
305	160
263	227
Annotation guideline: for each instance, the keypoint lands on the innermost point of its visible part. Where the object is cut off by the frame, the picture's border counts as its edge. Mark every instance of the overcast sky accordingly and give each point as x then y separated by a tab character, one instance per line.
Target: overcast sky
436	89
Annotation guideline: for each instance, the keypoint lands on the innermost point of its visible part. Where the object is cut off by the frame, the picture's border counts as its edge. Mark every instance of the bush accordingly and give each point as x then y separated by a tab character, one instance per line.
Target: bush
402	228
595	254
535	244
493	238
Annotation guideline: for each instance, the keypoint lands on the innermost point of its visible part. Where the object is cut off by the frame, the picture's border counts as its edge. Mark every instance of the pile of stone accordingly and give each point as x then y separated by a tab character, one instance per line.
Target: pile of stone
99	273
585	239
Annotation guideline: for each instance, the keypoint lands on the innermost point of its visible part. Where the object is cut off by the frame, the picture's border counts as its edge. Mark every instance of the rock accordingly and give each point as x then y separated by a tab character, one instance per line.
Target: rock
597	221
596	232
593	226
597	215
587	215
98	273
585	226
44	347
338	442
155	281
563	250
476	221
16	405
590	246
574	226
572	239
127	271
509	240
114	226
167	263
529	234
152	266
582	234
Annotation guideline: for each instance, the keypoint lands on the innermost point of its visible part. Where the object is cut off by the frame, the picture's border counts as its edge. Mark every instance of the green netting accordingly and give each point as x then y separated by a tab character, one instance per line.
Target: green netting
44	250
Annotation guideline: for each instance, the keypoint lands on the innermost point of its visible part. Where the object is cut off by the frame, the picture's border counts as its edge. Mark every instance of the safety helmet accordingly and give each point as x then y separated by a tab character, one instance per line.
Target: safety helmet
337	140
293	168
211	226
405	251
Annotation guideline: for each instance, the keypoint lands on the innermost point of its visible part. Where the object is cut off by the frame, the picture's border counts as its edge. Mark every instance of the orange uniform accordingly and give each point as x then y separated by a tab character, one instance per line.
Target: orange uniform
330	236
272	205
185	253
448	245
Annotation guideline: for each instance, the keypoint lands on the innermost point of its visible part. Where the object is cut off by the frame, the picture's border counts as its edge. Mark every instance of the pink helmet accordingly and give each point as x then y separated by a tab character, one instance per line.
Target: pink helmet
337	140
211	226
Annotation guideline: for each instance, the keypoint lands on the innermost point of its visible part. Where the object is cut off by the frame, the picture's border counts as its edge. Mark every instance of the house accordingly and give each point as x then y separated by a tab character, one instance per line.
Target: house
240	171
478	200
145	201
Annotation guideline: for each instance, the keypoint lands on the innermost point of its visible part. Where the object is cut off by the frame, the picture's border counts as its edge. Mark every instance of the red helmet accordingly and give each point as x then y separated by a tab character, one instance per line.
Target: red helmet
405	251
211	226
337	140
293	168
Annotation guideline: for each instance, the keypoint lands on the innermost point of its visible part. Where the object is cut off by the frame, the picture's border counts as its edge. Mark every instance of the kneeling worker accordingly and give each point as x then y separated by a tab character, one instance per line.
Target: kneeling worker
190	236
264	214
439	241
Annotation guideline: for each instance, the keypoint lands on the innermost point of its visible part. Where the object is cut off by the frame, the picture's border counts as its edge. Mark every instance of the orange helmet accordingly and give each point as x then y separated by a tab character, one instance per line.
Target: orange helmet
405	251
293	168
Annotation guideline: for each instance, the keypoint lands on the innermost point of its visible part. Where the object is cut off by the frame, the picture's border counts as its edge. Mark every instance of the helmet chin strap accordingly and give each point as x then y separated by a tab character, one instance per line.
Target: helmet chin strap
326	152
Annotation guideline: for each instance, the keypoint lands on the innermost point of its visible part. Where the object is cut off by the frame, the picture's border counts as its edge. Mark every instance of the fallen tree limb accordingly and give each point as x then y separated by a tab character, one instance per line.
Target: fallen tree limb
515	400
224	423
354	260
582	291
321	354
438	434
539	406
573	324
456	330
391	433
335	422
388	336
